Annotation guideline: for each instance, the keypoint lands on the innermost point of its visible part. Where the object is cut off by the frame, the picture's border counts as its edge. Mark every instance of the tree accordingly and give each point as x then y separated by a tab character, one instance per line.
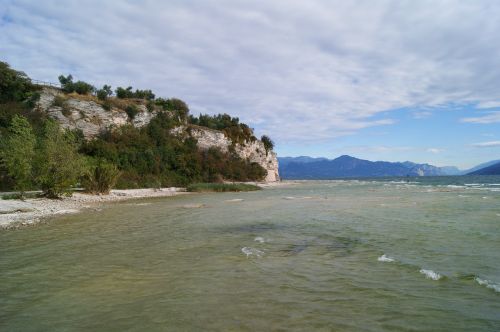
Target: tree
58	164
17	153
80	87
268	143
104	93
14	85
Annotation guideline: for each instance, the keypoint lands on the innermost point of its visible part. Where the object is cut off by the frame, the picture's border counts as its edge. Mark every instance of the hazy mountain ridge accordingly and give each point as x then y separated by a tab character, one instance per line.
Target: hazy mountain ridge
346	166
488	170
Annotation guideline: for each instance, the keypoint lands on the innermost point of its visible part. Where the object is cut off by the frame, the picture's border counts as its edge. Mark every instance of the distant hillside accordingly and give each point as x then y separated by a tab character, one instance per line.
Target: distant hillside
489	170
481	166
348	167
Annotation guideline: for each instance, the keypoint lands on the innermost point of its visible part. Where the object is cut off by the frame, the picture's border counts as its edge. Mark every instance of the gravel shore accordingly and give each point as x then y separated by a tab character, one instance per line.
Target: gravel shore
14	213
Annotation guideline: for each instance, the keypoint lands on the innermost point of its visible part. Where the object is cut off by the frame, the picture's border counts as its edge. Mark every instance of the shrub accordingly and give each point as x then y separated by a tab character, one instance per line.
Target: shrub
79	87
131	111
221	187
124	93
268	143
17	153
100	177
104	93
14	85
58	165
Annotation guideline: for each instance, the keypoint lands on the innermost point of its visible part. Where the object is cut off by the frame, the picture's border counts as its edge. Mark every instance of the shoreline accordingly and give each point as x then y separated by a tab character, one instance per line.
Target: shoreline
17	213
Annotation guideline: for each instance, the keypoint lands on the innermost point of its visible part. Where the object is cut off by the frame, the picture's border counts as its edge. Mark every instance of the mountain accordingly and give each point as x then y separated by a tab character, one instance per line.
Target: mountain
489	170
481	166
346	166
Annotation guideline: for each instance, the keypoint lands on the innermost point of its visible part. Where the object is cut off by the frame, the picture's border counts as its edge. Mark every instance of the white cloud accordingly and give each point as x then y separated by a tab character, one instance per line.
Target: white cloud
491	117
295	69
422	115
434	150
490	144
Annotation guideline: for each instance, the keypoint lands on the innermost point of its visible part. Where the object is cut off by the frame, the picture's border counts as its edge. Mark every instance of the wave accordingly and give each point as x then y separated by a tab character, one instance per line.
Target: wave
252	251
431	274
385	258
259	239
487	284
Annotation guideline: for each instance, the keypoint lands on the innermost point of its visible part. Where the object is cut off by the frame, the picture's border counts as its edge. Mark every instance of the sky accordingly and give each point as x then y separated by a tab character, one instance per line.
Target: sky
379	80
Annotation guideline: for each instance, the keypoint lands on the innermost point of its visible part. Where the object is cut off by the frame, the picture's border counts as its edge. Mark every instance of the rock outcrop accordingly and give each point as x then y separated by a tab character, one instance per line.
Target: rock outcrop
90	116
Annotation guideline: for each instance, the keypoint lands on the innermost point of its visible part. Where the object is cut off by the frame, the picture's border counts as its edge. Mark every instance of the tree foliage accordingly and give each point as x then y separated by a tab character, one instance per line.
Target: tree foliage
230	126
58	165
14	85
17	151
79	87
268	143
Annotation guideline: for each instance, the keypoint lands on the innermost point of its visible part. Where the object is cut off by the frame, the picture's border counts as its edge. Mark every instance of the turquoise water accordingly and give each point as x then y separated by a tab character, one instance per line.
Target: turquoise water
382	255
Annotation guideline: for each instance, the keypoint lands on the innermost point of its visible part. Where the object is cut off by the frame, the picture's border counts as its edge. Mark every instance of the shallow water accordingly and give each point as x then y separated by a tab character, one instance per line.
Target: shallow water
353	255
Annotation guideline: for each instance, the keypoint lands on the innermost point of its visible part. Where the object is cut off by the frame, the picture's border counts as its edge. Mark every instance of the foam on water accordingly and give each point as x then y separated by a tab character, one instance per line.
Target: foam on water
234	200
385	258
487	284
430	274
259	239
252	251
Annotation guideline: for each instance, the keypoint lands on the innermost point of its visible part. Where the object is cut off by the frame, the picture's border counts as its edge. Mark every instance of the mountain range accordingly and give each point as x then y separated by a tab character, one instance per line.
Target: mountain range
345	166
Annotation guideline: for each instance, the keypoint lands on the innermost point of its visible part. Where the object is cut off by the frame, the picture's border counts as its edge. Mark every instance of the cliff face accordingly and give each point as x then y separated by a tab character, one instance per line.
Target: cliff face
86	114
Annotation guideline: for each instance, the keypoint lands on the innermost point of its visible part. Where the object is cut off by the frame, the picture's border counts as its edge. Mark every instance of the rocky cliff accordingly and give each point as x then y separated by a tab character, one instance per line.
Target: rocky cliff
90	116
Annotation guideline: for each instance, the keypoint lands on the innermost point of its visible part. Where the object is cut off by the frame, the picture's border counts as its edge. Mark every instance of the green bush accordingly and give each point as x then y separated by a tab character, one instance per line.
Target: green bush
131	111
58	165
221	187
14	85
104	93
100	177
17	152
79	87
268	143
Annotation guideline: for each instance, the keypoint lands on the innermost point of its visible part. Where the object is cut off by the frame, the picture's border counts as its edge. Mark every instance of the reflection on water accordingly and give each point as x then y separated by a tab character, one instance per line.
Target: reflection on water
331	255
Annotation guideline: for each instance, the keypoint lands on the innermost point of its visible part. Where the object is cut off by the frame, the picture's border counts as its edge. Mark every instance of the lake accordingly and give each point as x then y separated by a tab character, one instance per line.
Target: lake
374	255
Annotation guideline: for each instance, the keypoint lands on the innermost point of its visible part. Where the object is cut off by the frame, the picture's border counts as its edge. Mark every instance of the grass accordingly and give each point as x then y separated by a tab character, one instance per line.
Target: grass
18	196
221	187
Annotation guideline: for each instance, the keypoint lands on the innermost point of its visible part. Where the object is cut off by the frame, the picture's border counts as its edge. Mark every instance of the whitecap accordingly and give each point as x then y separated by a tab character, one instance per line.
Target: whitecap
259	239
498	214
252	251
234	200
430	274
385	258
487	284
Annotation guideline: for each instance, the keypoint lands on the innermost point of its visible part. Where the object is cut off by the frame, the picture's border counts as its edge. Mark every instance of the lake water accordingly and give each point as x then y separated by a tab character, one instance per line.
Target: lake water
382	255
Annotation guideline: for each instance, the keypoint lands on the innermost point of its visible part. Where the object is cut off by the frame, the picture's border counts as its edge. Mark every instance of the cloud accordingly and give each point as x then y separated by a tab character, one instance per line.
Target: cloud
490	144
434	150
379	149
297	70
491	117
422	115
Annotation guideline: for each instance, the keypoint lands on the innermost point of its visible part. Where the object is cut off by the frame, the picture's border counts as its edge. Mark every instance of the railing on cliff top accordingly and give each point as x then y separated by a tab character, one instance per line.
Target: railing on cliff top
49	84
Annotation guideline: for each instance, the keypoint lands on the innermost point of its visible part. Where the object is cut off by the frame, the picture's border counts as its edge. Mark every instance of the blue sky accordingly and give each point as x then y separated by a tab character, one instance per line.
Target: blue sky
380	80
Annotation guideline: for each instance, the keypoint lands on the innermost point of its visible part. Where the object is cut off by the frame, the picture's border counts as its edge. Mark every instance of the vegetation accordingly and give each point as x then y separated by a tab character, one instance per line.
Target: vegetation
58	165
268	143
221	187
80	87
128	93
104	93
100	177
14	85
231	127
17	152
36	153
